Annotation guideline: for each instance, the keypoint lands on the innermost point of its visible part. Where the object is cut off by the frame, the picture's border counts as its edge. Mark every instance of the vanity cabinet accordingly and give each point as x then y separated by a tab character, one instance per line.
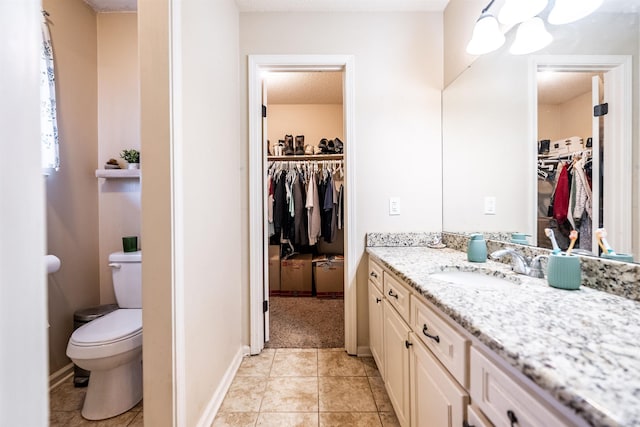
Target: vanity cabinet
433	375
421	389
376	319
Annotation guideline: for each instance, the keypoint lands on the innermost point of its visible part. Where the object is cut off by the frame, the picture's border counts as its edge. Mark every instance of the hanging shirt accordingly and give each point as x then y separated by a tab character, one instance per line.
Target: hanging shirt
561	196
270	201
313	211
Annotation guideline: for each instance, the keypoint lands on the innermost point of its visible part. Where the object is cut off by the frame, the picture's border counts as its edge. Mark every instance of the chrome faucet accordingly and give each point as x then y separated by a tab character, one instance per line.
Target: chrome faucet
521	264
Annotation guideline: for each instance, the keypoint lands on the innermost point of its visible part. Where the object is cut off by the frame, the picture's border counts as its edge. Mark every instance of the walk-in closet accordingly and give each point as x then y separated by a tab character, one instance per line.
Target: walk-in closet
569	192
305	204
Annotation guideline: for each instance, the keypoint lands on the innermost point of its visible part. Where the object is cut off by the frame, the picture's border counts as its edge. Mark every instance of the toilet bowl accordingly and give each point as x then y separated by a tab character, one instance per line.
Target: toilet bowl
110	347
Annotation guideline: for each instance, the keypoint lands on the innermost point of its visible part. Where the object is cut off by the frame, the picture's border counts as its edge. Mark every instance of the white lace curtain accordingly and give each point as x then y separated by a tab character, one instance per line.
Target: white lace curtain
48	119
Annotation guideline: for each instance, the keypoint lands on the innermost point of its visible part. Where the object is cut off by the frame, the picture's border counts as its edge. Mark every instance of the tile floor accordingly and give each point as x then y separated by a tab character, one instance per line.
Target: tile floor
279	387
306	387
65	402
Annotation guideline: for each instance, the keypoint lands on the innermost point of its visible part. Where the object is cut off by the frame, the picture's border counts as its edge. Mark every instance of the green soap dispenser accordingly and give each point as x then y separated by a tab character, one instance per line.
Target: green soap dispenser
477	248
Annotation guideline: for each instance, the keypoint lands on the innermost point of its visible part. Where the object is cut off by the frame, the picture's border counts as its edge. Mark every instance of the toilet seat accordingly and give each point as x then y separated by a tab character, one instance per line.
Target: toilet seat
115	333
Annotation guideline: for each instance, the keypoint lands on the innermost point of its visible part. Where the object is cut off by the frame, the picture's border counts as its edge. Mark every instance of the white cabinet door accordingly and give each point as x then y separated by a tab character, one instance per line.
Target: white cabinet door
376	319
437	400
396	362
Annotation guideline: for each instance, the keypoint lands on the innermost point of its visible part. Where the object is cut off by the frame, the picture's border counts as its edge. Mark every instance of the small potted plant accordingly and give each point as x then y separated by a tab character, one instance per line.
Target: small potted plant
132	157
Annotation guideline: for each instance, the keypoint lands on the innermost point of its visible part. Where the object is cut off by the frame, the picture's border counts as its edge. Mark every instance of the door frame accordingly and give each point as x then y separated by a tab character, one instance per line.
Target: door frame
622	128
258	262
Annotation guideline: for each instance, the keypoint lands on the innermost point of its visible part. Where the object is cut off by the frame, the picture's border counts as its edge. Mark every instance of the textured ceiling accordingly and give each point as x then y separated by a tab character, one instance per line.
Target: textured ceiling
298	5
559	87
296	87
113	5
340	5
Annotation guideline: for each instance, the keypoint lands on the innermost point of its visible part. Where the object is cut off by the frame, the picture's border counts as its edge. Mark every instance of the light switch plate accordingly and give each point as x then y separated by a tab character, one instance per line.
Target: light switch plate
489	205
394	206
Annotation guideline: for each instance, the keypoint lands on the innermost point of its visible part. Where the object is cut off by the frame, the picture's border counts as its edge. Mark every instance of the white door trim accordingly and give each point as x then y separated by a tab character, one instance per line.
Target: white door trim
257	163
622	156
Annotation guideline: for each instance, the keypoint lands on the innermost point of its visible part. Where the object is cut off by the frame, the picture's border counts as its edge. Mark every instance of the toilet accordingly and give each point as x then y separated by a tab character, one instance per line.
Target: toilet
110	347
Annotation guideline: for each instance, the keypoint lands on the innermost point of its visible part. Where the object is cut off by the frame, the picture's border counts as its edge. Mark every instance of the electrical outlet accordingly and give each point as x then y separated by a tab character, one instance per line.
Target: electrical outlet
394	206
489	205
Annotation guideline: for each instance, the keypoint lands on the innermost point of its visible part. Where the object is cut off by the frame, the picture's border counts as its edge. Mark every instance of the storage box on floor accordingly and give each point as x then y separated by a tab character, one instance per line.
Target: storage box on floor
328	273
274	269
295	275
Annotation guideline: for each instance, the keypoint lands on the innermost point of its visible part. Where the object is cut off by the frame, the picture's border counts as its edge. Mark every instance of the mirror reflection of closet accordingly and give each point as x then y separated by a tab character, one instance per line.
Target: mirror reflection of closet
565	158
308	107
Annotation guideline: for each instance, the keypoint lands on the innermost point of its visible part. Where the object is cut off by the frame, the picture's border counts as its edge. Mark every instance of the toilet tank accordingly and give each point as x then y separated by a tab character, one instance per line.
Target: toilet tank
126	270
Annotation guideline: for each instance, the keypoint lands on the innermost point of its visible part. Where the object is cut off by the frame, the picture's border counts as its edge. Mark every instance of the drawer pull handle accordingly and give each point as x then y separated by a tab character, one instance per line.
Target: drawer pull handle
408	344
512	417
378	300
391	294
373	274
436	338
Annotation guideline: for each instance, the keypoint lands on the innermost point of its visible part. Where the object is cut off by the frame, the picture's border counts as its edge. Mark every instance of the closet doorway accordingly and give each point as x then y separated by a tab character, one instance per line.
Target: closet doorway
277	128
609	148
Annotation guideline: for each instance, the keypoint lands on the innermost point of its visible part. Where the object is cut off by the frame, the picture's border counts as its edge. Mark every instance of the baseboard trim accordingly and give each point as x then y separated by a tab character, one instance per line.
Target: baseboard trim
60	376
214	404
364	351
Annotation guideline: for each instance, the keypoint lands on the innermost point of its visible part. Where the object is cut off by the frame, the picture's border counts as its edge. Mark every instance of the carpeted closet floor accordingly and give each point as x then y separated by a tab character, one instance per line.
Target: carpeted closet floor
306	322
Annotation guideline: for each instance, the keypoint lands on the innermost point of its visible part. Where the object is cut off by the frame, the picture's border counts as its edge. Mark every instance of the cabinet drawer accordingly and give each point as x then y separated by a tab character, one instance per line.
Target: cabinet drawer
375	274
475	418
501	398
450	347
397	294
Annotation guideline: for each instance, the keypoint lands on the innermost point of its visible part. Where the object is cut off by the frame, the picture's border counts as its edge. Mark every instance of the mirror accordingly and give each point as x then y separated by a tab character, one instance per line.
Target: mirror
490	143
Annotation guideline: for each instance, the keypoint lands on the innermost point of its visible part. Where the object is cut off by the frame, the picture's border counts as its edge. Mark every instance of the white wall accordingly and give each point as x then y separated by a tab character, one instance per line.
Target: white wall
118	129
484	151
23	295
398	78
208	188
314	121
571	118
191	201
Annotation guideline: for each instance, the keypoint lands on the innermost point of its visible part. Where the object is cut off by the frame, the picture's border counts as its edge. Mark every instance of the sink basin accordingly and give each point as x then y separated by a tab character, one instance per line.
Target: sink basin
473	279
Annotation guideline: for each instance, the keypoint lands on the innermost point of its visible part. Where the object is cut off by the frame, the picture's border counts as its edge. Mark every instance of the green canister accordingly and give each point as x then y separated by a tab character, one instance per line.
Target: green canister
477	248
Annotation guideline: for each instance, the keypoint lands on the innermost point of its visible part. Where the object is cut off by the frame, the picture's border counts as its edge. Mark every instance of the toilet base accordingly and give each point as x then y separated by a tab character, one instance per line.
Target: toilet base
114	391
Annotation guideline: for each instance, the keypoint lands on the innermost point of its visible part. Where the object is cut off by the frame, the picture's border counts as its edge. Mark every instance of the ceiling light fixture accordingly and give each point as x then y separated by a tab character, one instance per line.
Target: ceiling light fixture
516	11
530	37
566	11
486	36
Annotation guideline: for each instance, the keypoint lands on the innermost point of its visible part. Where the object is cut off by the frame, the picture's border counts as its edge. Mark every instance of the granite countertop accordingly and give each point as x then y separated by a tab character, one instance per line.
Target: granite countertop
582	346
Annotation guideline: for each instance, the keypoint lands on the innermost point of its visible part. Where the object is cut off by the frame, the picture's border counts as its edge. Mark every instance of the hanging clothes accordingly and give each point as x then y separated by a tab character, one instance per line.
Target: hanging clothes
561	196
270	201
300	212
313	211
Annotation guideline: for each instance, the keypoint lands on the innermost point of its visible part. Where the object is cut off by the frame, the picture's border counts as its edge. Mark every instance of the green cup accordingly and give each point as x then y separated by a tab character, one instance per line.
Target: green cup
563	271
618	257
130	243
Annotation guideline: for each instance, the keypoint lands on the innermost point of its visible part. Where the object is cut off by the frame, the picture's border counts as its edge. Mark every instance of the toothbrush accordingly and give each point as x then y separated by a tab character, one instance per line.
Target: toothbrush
552	237
601	234
572	236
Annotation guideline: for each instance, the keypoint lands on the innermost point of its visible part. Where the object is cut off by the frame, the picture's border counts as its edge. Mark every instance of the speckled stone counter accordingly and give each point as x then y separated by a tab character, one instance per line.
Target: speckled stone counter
581	346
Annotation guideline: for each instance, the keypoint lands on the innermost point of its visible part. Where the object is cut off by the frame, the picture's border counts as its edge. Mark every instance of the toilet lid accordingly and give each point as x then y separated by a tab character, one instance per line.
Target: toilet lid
115	326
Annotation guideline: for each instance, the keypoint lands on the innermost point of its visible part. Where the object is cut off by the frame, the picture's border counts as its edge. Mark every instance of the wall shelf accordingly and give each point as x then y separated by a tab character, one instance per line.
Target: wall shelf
118	173
306	157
